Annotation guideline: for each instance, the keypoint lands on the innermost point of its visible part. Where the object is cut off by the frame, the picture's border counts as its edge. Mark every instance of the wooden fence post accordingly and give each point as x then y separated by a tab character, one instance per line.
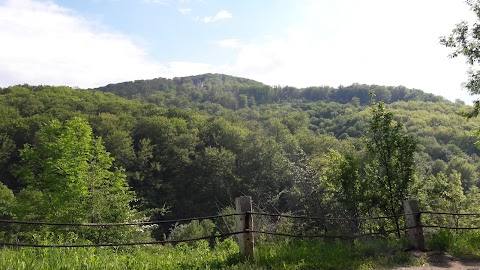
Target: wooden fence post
245	240
414	224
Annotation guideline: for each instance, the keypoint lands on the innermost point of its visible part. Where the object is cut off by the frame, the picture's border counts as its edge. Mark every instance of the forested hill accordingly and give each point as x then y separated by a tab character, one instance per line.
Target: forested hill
189	146
234	92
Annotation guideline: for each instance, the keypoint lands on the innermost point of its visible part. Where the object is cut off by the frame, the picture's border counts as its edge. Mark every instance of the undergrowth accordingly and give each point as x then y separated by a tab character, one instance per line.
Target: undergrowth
278	254
182	256
461	244
372	253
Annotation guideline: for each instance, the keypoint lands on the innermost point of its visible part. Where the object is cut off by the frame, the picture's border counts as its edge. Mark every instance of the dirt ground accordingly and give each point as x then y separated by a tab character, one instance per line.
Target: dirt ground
439	261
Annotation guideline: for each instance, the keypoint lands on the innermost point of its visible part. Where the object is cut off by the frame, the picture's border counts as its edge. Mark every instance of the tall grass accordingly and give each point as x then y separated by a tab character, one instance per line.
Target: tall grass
279	254
461	244
372	253
182	256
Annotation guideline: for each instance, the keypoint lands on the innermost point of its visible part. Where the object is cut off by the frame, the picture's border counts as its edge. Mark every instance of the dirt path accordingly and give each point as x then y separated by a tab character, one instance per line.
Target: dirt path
441	261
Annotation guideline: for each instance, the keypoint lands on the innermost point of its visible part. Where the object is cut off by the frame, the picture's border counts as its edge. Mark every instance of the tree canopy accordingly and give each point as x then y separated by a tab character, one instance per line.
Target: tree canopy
187	146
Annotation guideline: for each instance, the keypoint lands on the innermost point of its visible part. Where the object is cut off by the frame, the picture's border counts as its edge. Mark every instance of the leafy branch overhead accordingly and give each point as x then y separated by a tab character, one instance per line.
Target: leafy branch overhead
465	41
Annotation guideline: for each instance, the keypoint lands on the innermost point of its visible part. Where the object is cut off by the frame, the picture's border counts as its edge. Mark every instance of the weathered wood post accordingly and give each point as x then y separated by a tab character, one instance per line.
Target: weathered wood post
245	240
414	224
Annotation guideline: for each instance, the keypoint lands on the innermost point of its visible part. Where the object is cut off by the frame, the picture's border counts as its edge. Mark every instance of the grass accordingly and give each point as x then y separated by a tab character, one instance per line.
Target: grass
334	254
182	256
280	254
461	244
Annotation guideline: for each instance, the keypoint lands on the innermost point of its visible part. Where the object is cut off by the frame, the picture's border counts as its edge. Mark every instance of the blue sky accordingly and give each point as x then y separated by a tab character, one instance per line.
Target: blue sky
91	43
188	30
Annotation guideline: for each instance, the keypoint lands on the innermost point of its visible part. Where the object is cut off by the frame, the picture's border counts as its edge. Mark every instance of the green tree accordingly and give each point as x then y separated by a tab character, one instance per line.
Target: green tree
465	41
390	151
443	193
69	178
466	170
343	172
214	184
6	199
472	204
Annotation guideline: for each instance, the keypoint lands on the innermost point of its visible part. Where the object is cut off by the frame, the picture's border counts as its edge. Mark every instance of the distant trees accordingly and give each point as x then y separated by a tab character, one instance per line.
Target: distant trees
186	152
367	177
237	93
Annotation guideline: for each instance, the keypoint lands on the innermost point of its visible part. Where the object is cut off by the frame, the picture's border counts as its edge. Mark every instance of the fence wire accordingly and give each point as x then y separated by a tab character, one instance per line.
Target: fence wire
450	227
139	223
451	214
121	244
454	215
273	233
325	218
326	236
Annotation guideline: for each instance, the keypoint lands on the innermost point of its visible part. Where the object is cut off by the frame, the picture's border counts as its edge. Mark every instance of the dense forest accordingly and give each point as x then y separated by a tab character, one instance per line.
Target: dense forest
184	147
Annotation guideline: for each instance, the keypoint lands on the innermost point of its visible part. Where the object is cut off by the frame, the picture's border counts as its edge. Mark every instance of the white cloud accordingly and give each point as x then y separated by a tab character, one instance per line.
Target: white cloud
395	44
185	11
157	2
221	15
377	43
227	43
43	43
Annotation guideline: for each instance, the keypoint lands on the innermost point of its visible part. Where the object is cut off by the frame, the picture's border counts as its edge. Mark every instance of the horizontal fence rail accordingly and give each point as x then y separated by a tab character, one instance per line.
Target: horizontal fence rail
139	223
450	227
459	215
325	218
451	214
121	244
327	236
142	223
244	219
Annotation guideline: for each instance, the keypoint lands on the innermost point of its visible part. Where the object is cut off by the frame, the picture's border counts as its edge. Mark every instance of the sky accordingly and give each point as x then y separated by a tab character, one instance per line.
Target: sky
92	43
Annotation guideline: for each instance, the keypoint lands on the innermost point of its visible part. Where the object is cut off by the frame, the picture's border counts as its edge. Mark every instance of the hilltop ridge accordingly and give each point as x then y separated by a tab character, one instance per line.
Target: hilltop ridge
232	92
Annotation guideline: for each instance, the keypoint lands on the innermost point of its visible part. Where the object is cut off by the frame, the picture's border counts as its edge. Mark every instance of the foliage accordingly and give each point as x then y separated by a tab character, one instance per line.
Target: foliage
6	199
461	244
237	93
465	41
188	146
314	254
443	193
223	255
68	178
194	229
332	254
390	168
367	253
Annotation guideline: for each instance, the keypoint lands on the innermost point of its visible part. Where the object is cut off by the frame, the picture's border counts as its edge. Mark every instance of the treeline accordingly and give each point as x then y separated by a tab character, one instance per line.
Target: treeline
181	155
236	93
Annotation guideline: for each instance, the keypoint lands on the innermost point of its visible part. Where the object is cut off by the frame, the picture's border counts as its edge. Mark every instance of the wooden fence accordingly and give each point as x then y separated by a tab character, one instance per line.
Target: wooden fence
245	232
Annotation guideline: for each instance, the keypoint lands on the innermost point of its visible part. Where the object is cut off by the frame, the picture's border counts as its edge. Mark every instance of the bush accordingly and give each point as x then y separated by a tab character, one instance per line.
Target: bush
462	244
194	229
441	240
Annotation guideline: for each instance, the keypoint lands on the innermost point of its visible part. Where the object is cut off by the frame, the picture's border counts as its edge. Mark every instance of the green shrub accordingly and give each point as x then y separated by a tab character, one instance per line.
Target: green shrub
461	244
441	240
194	229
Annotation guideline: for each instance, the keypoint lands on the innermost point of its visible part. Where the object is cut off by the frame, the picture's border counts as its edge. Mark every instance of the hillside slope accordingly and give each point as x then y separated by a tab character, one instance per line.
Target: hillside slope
190	145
